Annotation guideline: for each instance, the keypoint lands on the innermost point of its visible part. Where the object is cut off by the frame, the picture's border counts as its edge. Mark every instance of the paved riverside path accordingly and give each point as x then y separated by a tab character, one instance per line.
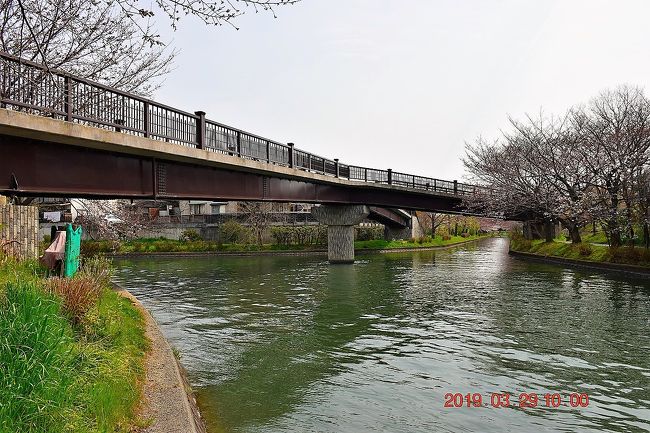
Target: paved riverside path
167	401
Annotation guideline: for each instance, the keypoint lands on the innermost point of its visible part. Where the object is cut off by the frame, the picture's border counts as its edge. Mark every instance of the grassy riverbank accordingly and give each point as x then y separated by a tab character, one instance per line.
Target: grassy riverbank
584	251
159	245
426	242
71	353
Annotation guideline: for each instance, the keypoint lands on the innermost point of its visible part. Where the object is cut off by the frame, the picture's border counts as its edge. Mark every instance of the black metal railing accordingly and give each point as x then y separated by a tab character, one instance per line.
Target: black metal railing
33	88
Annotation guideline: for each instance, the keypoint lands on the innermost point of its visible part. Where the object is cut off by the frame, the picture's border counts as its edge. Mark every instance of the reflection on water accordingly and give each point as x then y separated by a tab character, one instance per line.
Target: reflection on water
287	344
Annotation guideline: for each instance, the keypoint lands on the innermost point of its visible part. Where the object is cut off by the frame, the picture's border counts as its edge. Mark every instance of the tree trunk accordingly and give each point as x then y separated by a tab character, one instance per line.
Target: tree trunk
631	234
549	231
574	233
612	223
646	235
614	235
631	225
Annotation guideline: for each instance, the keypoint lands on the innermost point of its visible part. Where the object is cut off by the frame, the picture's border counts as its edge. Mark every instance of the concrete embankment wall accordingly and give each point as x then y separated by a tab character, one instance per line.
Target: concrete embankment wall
19	230
616	267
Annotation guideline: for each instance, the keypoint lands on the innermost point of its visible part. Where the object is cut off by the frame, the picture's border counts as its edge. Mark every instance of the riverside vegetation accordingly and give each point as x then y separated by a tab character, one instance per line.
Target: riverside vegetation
235	237
593	252
71	351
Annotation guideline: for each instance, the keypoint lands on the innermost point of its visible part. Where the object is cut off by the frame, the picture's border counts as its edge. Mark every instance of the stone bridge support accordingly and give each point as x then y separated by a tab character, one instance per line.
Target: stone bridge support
413	230
340	220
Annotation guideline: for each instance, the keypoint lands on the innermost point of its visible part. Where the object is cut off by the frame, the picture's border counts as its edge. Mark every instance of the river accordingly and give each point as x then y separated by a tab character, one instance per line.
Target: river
293	344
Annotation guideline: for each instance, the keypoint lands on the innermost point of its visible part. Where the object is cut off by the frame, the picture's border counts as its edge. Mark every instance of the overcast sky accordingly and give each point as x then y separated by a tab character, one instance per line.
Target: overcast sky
403	84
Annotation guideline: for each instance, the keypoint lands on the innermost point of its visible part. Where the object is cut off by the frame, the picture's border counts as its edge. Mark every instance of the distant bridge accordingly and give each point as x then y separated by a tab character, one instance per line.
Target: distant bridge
62	135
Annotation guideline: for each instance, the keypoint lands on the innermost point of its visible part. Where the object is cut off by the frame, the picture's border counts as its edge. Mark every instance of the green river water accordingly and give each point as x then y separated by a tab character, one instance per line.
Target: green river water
293	344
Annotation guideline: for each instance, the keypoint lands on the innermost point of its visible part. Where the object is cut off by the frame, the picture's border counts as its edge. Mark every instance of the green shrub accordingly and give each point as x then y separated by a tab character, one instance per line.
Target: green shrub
299	235
518	242
281	235
190	235
321	238
585	249
443	232
93	248
369	233
231	232
628	255
645	256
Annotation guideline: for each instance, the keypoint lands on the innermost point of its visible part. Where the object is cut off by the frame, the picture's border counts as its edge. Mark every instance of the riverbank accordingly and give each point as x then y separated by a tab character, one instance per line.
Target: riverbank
167	247
407	246
623	259
168	404
71	352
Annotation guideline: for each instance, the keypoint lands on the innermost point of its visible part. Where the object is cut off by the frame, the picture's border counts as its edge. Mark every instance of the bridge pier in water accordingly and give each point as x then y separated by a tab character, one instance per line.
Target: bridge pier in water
340	221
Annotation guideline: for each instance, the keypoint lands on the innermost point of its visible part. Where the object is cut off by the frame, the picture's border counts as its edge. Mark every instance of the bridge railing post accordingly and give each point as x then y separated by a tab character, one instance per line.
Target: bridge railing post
390	176
146	125
67	93
200	129
291	154
337	167
365	175
239	143
268	151
455	187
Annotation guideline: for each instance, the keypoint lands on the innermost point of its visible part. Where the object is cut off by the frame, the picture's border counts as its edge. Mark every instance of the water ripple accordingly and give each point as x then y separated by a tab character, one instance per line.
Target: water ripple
285	344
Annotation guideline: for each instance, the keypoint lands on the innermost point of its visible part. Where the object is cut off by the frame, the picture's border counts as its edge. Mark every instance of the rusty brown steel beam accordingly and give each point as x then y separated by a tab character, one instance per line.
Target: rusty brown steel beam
388	217
76	102
30	167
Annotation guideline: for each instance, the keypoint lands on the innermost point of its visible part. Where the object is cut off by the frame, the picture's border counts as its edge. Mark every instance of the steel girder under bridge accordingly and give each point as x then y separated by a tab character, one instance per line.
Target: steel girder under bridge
42	167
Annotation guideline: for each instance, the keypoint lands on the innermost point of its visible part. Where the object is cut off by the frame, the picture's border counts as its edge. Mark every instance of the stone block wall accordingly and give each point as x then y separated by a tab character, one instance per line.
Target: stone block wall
19	230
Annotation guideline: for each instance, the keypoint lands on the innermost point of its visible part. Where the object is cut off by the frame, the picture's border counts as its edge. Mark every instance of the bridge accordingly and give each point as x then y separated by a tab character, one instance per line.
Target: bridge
62	135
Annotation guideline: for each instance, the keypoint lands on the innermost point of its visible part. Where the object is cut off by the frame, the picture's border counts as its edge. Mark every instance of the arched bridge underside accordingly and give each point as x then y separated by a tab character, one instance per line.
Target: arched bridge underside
49	157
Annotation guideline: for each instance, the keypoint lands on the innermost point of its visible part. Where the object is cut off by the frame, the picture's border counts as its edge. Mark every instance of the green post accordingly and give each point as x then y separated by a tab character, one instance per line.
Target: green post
72	248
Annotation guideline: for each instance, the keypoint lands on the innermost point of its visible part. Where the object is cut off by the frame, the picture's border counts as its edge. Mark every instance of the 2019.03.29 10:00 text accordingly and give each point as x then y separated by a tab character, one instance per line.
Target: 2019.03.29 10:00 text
523	400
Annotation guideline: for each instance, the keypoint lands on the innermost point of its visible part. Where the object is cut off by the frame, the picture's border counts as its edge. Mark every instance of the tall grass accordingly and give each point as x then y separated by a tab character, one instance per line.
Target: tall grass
113	349
60	373
37	362
79	295
13	271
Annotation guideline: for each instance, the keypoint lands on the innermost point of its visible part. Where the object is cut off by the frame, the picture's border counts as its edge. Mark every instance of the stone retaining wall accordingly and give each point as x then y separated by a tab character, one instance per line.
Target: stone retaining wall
19	230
